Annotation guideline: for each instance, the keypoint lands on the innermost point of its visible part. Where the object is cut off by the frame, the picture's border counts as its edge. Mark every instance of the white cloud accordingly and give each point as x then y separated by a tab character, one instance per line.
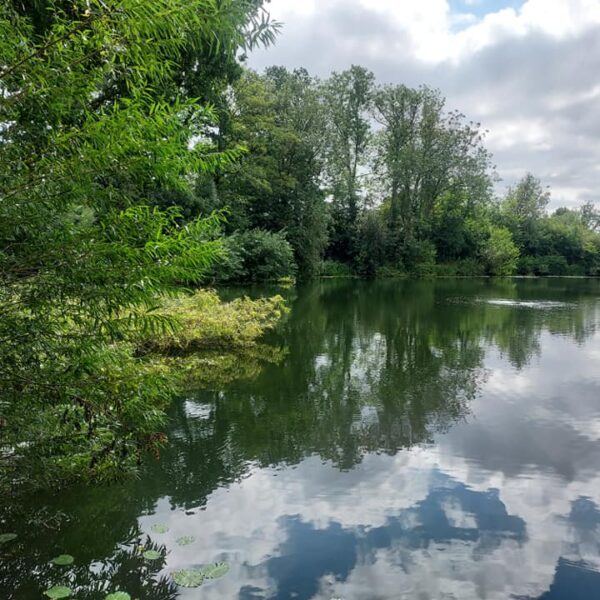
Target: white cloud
530	75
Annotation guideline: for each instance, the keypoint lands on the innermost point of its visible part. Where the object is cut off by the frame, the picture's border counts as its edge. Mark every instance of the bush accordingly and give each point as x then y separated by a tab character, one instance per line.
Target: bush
464	267
544	266
206	322
557	265
419	257
500	255
333	268
256	255
527	265
390	272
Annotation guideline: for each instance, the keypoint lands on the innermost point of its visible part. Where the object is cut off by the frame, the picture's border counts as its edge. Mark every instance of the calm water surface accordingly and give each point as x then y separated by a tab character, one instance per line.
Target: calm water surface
420	440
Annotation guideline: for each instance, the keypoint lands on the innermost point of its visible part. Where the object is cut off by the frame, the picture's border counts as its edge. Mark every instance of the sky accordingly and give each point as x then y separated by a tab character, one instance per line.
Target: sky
527	70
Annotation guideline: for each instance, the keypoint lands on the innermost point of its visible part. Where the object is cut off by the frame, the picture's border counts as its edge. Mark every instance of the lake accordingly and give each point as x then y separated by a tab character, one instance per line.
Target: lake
420	440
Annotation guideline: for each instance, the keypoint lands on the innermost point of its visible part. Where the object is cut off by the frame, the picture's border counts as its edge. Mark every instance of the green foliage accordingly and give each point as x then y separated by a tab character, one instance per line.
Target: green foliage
372	244
192	578
189	578
186	540
57	592
276	187
421	154
216	571
347	97
93	129
160	528
419	256
7	537
500	254
204	322
464	267
523	209
255	255
333	268
152	555
118	596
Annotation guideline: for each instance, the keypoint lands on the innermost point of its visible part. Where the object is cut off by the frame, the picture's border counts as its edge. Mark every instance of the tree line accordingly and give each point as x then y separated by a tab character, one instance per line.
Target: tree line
345	176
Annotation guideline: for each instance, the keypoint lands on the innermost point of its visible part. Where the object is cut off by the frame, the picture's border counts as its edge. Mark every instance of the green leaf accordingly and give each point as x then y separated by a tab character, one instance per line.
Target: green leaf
190	578
152	555
63	560
7	537
160	528
215	571
186	540
57	592
118	596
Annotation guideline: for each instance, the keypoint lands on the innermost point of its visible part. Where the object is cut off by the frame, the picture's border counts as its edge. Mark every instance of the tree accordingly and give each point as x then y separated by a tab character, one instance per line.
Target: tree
524	206
590	216
348	97
83	259
421	154
371	243
278	116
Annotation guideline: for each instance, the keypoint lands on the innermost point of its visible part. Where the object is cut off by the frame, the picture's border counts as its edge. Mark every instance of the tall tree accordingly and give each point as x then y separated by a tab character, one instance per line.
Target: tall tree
523	207
422	152
278	116
348	98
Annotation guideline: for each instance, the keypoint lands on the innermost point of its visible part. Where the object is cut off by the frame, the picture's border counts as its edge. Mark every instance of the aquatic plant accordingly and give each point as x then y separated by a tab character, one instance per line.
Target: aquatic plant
63	560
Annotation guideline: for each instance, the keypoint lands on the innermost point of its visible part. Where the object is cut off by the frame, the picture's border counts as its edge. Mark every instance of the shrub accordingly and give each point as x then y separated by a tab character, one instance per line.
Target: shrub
333	268
419	257
500	255
256	255
390	272
464	267
203	321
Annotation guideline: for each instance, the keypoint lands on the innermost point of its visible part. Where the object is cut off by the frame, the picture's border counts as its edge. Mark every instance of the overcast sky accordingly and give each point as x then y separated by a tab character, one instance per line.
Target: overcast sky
528	70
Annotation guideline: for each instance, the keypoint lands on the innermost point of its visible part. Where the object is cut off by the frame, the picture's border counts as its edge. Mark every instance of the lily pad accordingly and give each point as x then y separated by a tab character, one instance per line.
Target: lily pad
7	537
118	596
63	560
186	540
57	592
152	555
215	571
189	578
160	528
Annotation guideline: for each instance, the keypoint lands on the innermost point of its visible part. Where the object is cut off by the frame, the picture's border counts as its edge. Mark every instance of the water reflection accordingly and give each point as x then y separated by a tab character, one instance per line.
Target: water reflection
418	440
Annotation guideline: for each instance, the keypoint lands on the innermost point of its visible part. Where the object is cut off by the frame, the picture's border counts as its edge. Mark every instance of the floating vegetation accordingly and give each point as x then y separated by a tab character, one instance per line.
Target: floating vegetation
63	560
186	540
152	555
215	571
160	528
7	537
189	578
193	578
118	596
57	592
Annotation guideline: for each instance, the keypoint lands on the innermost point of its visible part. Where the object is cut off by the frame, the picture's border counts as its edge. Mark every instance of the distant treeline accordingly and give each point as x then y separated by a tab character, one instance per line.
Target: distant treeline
345	176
